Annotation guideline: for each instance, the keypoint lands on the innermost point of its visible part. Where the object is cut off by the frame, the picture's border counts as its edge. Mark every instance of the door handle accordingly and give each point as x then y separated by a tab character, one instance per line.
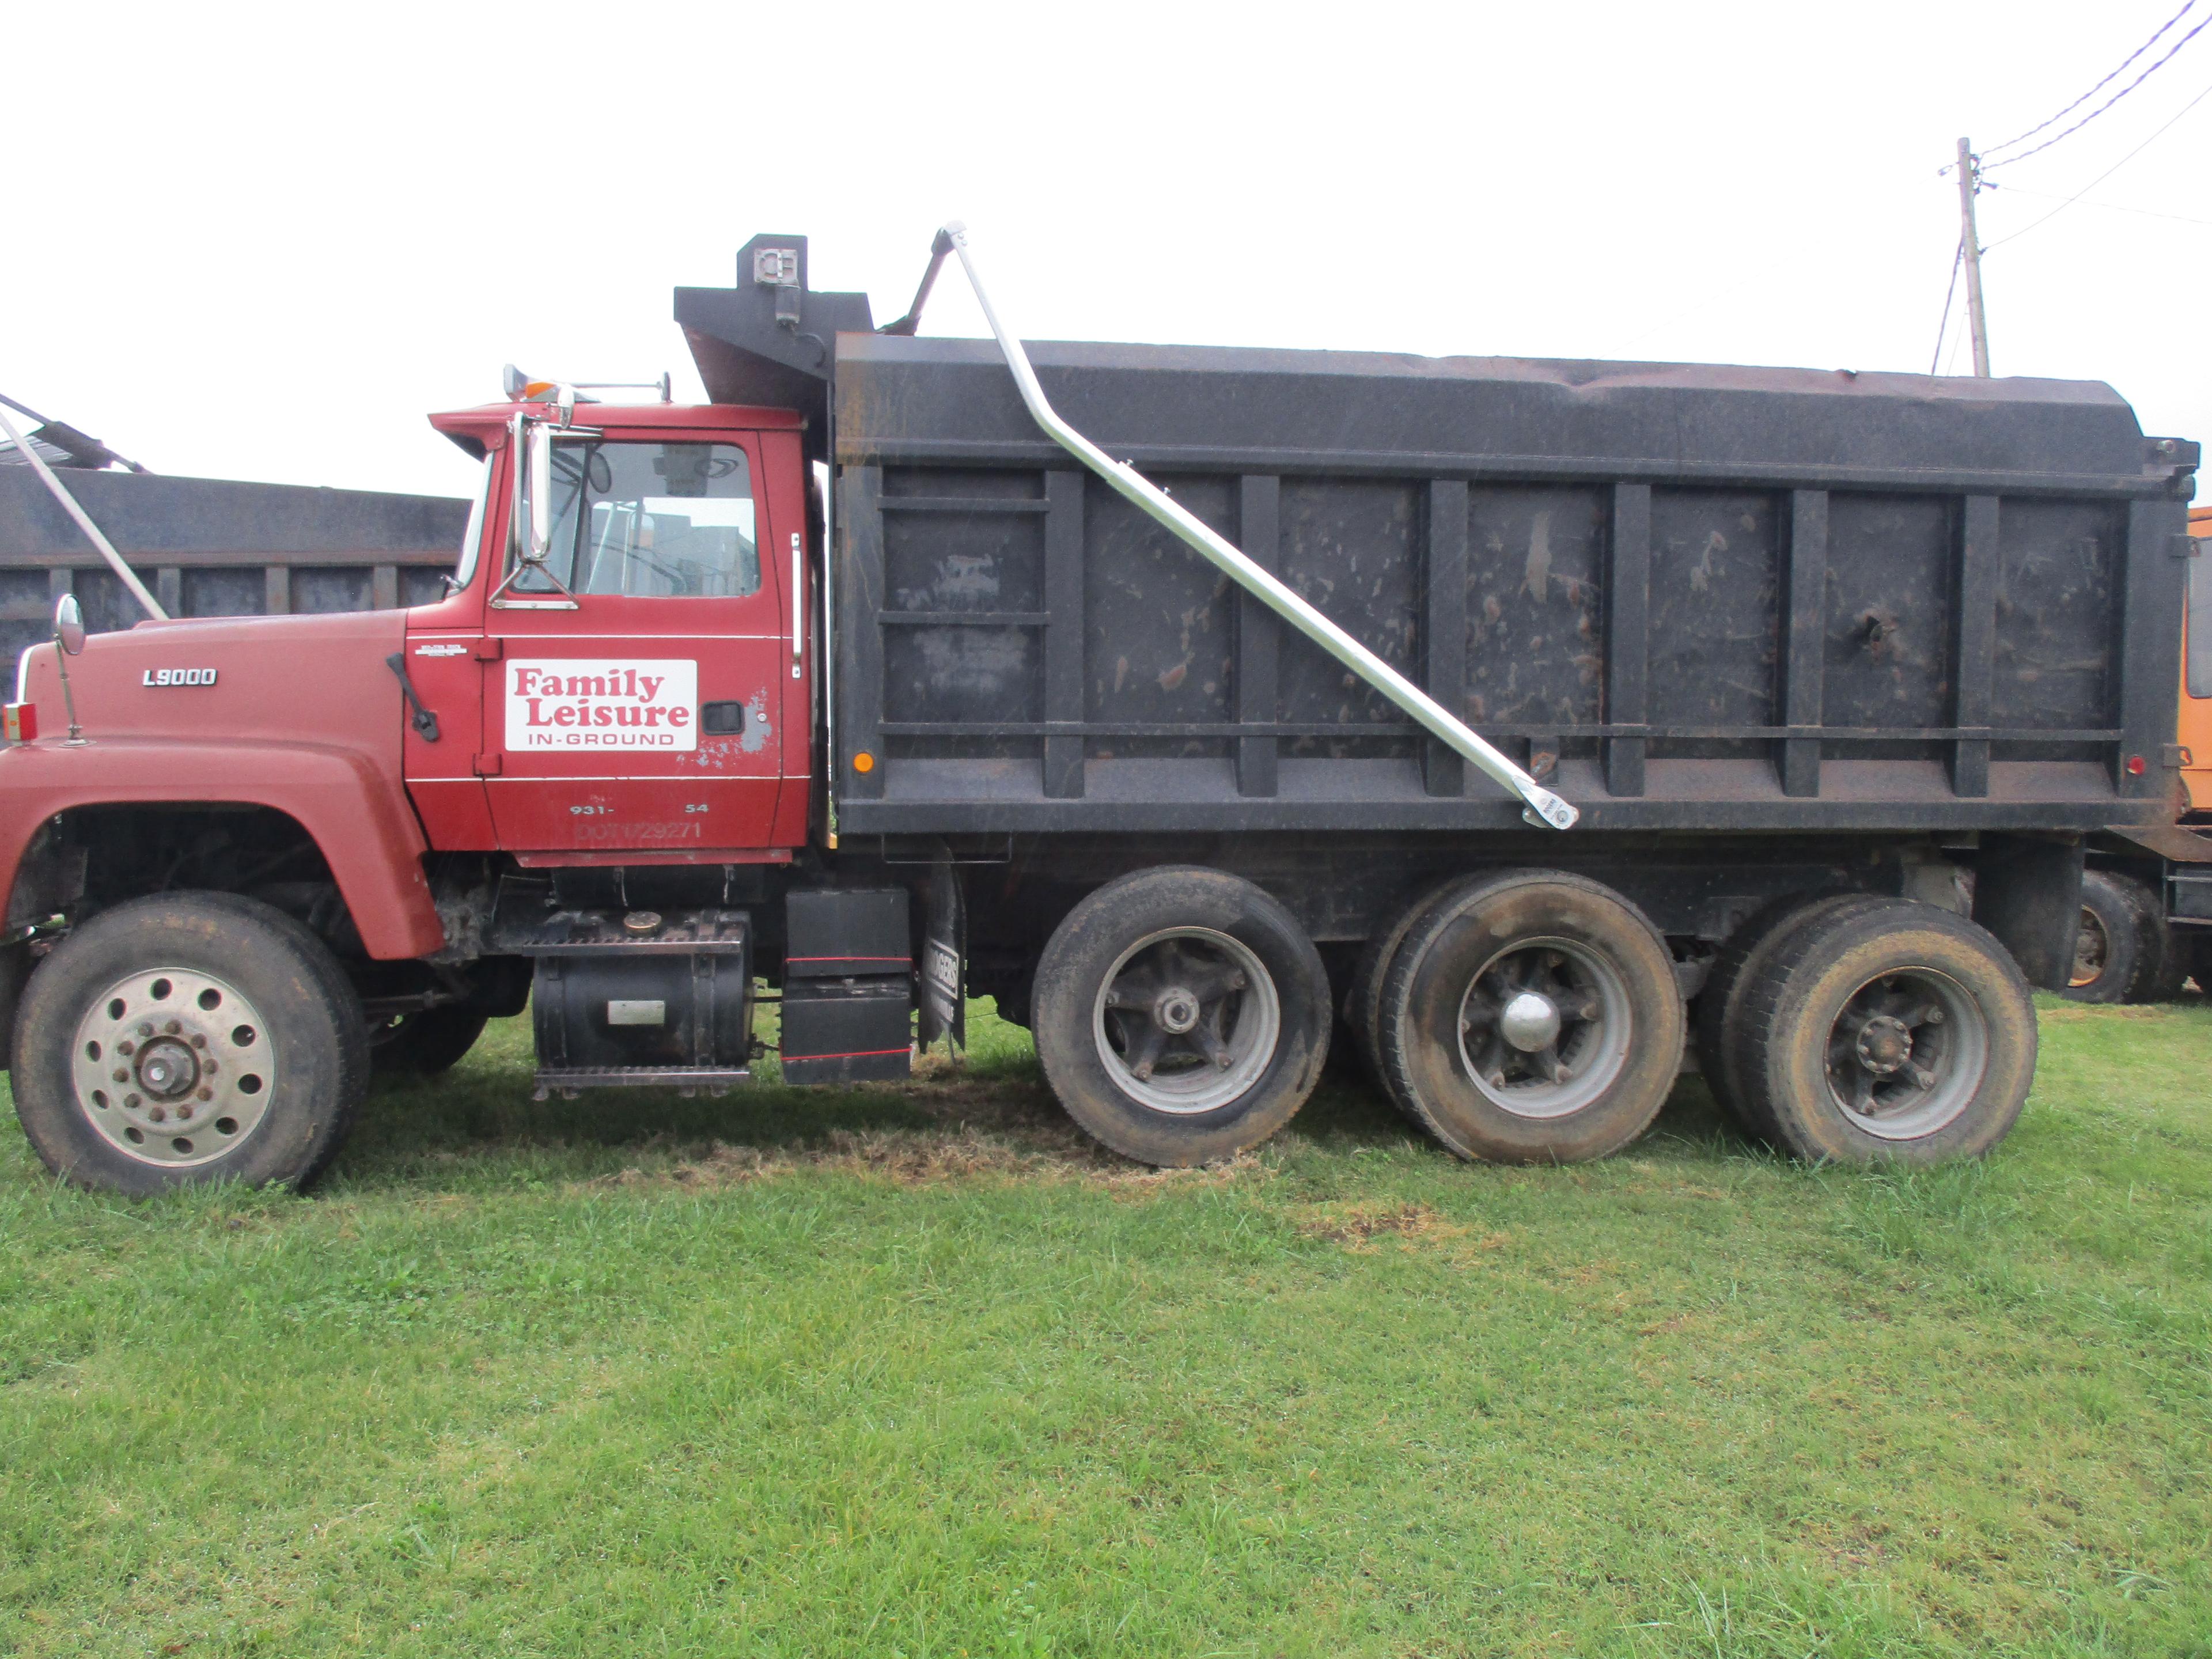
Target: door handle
798	604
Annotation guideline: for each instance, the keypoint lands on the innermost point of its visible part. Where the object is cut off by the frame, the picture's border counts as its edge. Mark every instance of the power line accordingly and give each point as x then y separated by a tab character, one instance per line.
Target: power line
2108	103
2100	85
2109	207
2106	175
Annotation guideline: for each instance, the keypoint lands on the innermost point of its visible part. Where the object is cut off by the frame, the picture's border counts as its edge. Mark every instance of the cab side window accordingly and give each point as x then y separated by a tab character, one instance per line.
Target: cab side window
650	520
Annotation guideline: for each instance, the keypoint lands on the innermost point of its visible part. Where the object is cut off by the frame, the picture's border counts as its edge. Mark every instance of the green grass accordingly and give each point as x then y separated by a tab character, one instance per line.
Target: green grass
917	1372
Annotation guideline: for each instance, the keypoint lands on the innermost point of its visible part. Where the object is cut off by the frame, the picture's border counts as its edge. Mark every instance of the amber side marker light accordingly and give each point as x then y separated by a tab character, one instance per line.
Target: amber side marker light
863	762
19	721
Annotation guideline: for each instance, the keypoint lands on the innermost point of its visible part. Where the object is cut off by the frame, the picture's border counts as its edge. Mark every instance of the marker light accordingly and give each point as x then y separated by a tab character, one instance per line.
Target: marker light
863	762
19	721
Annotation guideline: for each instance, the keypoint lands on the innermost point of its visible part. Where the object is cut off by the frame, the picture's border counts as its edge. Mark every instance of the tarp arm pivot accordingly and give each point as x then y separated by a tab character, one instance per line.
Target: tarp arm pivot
124	572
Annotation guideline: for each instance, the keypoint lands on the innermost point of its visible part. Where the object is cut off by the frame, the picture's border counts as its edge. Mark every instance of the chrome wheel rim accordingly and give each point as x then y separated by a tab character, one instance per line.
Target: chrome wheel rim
1906	1054
1187	1019
174	1067
2092	949
1544	1028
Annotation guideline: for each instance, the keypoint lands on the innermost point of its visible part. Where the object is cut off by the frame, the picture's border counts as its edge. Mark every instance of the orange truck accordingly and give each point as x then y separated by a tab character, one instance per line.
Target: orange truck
2146	893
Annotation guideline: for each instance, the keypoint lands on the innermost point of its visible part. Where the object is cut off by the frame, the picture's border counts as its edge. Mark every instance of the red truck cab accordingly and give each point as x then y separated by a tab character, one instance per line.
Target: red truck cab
646	692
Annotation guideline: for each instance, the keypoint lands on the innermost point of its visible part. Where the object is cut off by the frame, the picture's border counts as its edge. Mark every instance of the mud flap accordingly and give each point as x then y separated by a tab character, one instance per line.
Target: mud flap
2028	893
943	959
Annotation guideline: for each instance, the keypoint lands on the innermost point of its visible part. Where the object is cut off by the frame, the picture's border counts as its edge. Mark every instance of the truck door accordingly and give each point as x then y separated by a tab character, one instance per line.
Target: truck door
632	697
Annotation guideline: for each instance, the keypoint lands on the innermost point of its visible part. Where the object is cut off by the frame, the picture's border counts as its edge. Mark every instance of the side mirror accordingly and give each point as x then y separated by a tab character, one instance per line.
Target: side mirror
540	463
68	625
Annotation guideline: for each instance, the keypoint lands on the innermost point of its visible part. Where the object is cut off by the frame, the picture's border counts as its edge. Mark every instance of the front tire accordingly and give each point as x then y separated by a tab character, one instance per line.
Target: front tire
1182	1015
238	1040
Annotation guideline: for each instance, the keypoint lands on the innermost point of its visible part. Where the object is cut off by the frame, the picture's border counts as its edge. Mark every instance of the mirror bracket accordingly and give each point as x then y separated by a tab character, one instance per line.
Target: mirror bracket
68	641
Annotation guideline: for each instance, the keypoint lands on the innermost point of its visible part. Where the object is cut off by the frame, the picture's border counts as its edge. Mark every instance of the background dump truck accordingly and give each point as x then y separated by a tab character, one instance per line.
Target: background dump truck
875	681
2147	895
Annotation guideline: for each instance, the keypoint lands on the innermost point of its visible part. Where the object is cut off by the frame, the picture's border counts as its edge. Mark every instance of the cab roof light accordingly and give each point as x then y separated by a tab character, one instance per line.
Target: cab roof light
522	388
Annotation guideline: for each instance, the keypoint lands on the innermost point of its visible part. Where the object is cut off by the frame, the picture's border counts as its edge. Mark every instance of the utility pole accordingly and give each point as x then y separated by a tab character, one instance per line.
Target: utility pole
1969	179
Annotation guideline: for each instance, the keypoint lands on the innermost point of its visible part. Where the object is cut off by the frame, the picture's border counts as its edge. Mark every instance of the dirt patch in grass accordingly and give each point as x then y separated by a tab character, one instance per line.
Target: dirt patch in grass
1367	1227
929	1157
905	1157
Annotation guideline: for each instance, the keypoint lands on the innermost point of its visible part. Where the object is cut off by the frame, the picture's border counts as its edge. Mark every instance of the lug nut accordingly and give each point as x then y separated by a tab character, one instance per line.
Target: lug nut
173	1028
184	1114
198	1042
207	1094
131	1101
122	1076
145	1027
158	1115
126	1047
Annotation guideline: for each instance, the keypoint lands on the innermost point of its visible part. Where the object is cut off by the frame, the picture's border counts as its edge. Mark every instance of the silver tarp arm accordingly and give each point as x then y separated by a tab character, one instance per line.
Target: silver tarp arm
124	572
1542	808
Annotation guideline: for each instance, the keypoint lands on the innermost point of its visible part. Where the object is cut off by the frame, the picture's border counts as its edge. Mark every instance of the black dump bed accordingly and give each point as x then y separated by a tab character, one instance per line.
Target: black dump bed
1689	597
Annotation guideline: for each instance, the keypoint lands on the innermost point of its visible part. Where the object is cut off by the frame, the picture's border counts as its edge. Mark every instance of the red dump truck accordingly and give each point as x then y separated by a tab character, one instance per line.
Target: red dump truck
1522	718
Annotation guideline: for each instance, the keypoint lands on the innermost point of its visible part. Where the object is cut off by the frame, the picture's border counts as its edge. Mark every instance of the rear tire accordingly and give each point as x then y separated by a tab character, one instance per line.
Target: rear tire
1182	1015
240	1041
2113	948
1363	1006
1898	1031
1532	1017
1744	961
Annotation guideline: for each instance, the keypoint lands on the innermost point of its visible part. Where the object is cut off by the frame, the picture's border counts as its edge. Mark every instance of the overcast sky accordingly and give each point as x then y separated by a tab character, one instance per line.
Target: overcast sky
263	244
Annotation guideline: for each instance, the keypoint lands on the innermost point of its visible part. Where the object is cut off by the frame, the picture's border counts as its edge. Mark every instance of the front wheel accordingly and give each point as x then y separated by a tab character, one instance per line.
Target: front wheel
1181	1015
190	1038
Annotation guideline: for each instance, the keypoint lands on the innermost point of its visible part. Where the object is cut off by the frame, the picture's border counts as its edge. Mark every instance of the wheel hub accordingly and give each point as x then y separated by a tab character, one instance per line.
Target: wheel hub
1186	1020
1530	1022
1884	1044
168	1068
1906	1052
1544	1027
1175	1010
172	1066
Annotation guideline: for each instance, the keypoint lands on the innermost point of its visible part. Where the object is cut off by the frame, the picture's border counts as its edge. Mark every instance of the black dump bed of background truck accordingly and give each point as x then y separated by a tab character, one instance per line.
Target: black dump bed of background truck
215	547
1691	596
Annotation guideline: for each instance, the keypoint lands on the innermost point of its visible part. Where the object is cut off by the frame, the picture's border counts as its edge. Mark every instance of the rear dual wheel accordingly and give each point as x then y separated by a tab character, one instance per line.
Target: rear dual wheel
1886	1030
1182	1015
1530	1018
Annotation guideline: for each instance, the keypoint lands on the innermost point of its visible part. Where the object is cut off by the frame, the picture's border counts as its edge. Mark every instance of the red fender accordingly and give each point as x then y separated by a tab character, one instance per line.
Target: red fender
362	826
302	717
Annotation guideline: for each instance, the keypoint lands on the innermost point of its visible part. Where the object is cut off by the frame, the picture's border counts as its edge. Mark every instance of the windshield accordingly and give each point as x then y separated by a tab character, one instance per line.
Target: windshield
650	520
472	537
